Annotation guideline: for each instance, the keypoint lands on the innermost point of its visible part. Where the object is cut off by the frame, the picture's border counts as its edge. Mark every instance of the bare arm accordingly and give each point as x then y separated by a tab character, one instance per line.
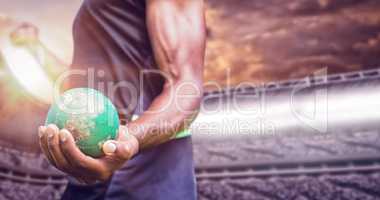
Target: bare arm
177	32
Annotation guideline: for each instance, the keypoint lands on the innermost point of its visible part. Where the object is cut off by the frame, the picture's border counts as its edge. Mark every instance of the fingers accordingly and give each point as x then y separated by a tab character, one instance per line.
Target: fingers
75	157
55	149
50	133
61	150
49	141
123	149
42	133
118	149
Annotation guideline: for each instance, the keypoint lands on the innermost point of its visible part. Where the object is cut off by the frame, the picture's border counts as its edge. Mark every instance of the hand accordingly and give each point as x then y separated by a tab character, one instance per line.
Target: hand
60	149
25	34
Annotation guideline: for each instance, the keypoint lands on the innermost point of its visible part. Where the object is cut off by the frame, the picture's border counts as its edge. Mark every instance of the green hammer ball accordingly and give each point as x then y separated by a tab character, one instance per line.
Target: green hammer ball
90	117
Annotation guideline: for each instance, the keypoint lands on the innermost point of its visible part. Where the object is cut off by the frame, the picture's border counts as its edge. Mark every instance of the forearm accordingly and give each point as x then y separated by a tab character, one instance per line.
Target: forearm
169	114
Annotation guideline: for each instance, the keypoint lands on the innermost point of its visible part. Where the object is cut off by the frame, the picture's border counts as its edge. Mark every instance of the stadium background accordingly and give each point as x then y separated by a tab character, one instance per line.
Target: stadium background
248	41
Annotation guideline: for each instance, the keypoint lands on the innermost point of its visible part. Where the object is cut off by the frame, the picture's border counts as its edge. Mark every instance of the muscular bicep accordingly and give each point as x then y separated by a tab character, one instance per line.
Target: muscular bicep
177	33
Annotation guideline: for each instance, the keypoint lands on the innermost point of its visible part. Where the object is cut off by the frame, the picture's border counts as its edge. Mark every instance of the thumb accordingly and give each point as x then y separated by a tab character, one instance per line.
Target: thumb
124	150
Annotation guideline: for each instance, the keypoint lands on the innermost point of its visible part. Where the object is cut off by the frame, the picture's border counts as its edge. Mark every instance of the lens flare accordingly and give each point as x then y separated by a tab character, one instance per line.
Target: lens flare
28	72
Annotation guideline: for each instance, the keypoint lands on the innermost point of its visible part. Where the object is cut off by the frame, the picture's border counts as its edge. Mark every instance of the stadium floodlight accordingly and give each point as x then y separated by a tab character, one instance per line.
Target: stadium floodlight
28	72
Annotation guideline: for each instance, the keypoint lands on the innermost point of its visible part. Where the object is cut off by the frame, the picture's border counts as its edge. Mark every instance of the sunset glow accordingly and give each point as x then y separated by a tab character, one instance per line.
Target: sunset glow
28	72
